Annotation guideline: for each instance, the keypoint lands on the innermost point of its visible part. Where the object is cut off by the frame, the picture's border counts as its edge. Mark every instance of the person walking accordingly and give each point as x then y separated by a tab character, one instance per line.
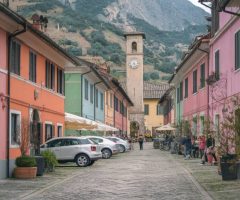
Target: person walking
140	141
202	145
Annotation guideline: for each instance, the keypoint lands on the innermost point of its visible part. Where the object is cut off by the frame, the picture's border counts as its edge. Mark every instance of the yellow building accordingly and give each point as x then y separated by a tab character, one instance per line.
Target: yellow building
153	112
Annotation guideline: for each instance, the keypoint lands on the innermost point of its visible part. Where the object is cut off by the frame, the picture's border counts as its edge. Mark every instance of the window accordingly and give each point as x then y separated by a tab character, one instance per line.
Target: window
186	88
217	126
237	50
59	130
101	101
121	108
60	81
86	89
181	91
178	95
96	100
84	141
32	66
111	100
49	131
50	75
106	98
15	57
217	65
146	109
116	103
70	142
202	79
195	81
195	125
134	47
97	140
55	143
91	93
201	124
159	110
15	128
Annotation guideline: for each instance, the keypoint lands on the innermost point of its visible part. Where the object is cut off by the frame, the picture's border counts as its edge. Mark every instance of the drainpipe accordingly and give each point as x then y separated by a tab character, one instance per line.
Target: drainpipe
122	113
94	100
114	111
10	37
82	90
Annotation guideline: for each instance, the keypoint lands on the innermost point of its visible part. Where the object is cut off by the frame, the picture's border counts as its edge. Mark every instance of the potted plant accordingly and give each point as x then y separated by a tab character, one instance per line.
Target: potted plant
50	160
25	164
229	145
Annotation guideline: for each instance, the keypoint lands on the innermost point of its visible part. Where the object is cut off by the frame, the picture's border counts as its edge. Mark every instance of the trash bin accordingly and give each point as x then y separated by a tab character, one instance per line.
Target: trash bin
40	165
156	143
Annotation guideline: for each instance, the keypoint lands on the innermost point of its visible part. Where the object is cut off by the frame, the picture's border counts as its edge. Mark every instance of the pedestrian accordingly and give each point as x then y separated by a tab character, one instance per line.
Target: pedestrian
130	140
202	145
188	147
140	140
211	146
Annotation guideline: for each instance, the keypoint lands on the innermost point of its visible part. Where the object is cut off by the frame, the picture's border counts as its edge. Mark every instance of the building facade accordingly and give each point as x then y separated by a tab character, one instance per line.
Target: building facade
36	85
3	101
191	88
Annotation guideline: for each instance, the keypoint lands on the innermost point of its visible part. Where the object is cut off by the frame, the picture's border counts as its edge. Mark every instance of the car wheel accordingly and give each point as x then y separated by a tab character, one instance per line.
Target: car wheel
106	153
82	160
91	162
122	149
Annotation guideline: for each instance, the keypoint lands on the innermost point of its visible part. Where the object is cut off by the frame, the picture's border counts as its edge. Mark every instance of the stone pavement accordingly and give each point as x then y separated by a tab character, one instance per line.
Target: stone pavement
147	174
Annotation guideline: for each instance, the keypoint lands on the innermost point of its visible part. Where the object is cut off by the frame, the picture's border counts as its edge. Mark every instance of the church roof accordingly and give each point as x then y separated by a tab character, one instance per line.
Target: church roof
151	90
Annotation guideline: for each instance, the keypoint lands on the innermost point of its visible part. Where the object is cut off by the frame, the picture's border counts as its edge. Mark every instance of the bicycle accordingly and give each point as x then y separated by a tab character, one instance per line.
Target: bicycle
164	145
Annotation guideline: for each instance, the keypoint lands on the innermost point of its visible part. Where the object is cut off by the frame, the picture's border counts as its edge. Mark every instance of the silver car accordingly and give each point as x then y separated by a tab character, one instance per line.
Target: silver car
123	145
108	147
74	149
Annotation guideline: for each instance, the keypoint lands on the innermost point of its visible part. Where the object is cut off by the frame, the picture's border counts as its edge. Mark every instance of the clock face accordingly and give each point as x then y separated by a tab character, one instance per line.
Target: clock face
133	63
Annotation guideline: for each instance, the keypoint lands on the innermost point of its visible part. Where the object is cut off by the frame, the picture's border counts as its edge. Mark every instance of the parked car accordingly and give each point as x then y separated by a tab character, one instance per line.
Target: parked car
81	150
108	147
123	145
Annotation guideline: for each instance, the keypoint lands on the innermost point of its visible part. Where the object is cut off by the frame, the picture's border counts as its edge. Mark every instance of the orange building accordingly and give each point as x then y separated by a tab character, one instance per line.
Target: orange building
36	84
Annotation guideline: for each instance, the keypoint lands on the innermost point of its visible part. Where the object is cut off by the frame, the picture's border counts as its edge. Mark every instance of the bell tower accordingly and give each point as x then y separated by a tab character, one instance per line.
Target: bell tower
134	69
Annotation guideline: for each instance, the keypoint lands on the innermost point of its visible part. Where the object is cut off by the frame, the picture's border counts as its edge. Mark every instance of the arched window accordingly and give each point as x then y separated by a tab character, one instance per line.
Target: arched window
134	47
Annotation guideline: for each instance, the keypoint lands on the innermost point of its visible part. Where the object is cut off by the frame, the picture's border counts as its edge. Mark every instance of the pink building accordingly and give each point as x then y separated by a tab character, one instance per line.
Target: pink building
191	102
3	103
224	66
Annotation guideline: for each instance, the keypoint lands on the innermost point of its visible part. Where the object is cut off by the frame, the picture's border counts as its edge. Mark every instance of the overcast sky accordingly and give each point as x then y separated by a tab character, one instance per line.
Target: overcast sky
195	2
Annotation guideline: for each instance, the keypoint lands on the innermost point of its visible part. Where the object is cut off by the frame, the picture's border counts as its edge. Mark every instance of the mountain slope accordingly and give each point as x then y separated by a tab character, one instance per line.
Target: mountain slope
96	27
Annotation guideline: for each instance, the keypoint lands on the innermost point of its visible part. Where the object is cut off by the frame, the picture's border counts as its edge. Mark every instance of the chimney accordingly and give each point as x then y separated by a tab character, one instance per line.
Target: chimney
39	22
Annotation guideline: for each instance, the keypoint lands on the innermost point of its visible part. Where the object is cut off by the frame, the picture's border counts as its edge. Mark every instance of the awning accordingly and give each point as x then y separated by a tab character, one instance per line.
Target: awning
74	122
167	127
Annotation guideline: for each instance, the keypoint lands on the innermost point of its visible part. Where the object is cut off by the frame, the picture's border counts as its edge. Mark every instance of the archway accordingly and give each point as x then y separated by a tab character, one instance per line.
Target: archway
134	129
35	133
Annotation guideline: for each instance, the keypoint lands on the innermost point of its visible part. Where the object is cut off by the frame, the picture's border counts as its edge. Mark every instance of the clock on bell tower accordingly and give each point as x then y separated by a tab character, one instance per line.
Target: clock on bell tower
134	71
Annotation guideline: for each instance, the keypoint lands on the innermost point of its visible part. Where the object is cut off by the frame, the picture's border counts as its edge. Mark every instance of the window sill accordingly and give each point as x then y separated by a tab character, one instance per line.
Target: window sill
14	146
237	70
194	94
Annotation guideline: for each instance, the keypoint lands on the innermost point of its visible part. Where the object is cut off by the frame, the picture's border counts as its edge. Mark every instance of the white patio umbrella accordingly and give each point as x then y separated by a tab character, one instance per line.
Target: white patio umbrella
166	127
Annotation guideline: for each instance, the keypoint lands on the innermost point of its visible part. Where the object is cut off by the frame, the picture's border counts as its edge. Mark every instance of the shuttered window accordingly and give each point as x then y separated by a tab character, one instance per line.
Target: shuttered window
86	88
60	81
237	50
49	131
186	87
116	103
32	66
181	91
202	79
101	101
217	64
91	93
50	75
146	109
195	81
15	57
160	109
96	100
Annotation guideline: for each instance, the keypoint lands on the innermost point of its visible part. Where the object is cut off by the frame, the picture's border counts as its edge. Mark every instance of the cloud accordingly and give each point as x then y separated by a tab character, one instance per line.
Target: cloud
196	3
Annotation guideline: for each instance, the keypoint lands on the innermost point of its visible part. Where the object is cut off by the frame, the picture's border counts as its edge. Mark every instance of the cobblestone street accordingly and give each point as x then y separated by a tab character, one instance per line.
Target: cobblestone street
147	174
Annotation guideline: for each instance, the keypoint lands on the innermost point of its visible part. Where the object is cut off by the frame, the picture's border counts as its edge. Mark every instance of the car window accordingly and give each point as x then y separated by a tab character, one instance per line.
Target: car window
54	143
70	142
113	139
93	141
98	140
84	141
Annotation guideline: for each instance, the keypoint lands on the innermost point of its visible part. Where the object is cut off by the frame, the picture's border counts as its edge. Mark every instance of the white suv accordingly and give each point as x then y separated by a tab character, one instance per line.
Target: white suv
73	149
108	147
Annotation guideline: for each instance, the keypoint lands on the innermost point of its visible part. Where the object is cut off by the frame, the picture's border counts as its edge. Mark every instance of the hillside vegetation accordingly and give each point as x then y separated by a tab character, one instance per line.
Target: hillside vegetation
85	27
